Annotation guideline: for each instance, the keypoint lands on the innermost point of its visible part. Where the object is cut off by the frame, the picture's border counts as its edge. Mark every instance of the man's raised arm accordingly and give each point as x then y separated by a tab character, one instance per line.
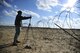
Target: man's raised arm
29	17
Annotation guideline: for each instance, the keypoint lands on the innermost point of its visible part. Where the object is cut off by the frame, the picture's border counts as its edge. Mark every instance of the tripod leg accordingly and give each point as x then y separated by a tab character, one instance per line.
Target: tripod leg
27	46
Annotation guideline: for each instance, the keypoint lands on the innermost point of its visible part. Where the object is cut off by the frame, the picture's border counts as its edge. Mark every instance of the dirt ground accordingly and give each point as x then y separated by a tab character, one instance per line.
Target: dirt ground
41	40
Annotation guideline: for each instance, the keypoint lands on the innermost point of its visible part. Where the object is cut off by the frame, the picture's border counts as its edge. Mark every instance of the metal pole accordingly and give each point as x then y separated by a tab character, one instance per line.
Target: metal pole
67	32
26	40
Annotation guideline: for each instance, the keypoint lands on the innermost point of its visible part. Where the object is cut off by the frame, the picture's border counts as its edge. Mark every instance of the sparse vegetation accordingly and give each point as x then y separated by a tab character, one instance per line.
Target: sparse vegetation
42	40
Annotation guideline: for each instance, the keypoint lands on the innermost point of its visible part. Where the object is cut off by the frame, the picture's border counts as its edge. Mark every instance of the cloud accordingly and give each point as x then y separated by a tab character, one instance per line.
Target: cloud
3	2
48	21
68	23
47	18
28	12
76	23
69	6
46	4
11	13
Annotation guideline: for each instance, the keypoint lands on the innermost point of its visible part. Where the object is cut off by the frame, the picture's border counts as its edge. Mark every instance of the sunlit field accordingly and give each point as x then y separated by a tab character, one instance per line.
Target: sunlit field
41	40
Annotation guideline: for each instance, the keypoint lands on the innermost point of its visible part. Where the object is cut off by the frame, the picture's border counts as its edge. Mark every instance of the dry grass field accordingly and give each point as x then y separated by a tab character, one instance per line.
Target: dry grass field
42	40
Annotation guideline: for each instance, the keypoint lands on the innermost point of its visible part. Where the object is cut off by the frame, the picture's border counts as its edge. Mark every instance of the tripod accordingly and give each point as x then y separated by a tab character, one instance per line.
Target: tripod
26	38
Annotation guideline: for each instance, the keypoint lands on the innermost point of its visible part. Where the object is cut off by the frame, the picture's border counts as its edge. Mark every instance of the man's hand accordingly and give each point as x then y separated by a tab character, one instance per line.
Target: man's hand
30	16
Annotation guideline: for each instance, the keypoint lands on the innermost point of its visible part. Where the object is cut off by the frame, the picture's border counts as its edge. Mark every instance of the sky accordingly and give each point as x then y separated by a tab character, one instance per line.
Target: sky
44	13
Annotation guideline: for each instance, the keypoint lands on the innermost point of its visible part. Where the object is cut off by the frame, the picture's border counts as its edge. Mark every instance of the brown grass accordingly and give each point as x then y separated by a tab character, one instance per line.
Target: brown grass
42	40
